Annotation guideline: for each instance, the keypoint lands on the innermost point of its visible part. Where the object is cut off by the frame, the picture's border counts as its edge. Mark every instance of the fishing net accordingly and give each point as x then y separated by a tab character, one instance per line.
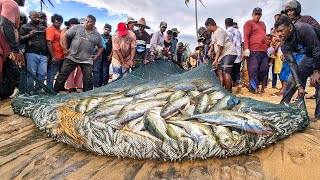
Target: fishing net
161	111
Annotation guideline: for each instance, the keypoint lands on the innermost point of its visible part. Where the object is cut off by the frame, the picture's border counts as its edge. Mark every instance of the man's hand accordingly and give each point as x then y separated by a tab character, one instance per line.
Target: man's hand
109	58
32	33
215	64
95	57
209	53
18	58
66	52
314	78
246	53
301	91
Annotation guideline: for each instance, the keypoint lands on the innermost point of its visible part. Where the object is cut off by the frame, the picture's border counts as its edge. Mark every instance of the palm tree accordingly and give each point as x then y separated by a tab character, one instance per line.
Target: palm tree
42	2
196	12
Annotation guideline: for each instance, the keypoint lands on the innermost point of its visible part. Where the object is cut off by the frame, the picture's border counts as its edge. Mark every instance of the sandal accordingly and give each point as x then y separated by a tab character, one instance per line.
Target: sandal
311	97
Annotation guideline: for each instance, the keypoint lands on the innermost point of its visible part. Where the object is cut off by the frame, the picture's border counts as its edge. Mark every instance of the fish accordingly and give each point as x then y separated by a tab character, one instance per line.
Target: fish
106	110
121	100
136	125
203	104
155	124
176	95
234	119
150	92
221	104
224	136
177	132
194	93
192	129
93	102
139	89
137	110
202	84
184	86
81	107
173	107
162	96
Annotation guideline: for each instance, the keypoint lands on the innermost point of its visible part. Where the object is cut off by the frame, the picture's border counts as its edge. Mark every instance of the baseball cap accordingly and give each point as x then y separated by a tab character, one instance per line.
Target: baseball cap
162	24
257	10
122	29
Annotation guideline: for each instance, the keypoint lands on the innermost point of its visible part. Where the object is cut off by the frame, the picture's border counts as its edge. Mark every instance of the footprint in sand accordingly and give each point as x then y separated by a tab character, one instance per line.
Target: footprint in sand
297	156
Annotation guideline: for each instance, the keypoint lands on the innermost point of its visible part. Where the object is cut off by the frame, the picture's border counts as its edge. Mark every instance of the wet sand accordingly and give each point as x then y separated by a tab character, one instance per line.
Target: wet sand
27	153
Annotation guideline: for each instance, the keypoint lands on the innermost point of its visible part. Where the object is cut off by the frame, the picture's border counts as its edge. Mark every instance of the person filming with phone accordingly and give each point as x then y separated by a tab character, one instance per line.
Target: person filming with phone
33	36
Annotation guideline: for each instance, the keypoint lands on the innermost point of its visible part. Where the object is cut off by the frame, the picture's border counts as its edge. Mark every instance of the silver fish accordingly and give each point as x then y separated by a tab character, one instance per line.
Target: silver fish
235	119
106	110
221	104
194	93
176	95
93	102
139	89
82	105
202	84
195	131
185	87
224	136
174	106
136	125
136	110
150	93
162	96
155	124
177	132
122	100
203	104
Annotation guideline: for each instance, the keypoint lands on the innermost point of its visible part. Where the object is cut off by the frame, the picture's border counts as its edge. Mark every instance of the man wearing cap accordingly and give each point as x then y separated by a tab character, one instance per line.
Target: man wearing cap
143	44
157	42
84	39
255	50
205	38
55	50
43	19
124	50
174	41
107	53
130	23
180	52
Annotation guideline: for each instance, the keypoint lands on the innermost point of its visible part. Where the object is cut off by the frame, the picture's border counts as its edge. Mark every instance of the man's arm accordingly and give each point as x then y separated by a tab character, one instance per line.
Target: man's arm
153	42
8	30
246	34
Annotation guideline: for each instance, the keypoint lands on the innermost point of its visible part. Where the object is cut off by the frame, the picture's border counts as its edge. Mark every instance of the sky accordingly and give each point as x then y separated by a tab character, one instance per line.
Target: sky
174	12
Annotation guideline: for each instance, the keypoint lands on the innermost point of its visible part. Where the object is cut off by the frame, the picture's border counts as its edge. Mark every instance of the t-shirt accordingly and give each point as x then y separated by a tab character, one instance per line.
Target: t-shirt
83	43
124	44
53	35
254	35
221	38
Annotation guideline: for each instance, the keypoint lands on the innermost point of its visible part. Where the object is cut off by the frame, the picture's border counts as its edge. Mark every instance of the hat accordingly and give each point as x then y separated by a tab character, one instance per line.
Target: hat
131	20
163	24
180	44
257	10
142	22
107	26
169	32
202	30
42	14
71	21
122	29
175	30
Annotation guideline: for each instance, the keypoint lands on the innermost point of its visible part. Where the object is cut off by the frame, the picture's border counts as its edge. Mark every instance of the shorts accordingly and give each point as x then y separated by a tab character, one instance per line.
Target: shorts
226	64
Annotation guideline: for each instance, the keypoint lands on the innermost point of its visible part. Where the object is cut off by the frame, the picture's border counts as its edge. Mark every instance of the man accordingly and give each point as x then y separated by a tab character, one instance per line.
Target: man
143	44
180	53
9	45
236	39
97	66
205	38
84	39
255	45
55	50
307	36
157	42
293	9
174	41
124	50
43	19
107	53
33	36
130	23
226	53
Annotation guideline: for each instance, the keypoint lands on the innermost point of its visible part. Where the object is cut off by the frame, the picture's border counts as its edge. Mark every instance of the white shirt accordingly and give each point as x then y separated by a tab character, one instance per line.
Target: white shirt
235	37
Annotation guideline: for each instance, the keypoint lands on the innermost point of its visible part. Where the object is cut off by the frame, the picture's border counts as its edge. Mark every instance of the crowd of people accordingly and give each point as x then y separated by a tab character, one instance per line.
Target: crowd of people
81	58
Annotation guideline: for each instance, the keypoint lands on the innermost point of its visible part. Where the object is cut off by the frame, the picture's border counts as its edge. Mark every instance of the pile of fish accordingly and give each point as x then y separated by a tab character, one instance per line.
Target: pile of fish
172	119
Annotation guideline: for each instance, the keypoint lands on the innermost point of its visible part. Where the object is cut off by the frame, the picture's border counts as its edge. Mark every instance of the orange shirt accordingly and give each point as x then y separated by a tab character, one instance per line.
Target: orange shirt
53	35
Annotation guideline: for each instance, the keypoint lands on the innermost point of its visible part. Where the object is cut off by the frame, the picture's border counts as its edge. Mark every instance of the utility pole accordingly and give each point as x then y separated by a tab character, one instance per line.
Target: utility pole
196	11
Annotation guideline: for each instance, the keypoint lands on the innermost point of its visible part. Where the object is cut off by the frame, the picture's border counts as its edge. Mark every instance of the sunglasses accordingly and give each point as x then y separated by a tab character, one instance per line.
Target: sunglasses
257	14
164	27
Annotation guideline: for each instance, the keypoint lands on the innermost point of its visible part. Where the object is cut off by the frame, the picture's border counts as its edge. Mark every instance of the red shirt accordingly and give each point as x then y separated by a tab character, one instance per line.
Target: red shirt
53	35
254	34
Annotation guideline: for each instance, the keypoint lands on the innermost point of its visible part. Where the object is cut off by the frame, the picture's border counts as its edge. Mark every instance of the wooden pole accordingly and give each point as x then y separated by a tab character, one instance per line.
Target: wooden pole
196	11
